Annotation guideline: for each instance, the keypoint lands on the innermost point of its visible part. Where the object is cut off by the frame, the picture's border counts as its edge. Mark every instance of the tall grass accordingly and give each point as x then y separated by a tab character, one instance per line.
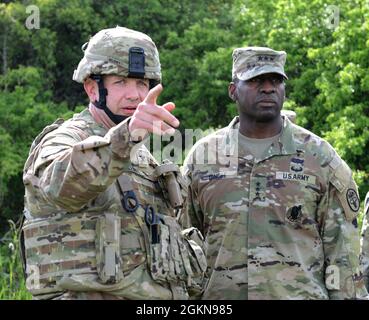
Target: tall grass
12	283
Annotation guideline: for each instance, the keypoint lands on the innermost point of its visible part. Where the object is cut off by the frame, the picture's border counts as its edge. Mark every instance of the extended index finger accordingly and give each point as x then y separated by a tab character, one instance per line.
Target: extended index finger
162	114
153	94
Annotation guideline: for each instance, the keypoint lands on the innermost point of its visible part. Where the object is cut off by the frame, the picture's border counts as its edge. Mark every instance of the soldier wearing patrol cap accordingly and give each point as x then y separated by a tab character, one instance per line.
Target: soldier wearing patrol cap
100	212
276	204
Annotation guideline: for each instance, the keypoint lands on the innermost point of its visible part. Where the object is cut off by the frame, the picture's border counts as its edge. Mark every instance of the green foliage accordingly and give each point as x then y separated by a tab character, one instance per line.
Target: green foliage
199	68
12	283
24	110
328	84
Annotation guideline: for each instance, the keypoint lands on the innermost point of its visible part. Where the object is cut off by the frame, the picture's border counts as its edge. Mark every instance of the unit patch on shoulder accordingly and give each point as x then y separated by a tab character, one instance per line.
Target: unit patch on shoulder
353	200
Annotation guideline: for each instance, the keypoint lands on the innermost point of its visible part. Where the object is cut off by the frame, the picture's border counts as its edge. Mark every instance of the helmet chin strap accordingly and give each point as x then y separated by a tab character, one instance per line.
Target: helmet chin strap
101	103
103	92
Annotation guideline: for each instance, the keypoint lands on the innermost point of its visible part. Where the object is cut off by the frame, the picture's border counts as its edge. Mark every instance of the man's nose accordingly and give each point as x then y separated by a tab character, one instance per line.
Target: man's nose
267	86
132	92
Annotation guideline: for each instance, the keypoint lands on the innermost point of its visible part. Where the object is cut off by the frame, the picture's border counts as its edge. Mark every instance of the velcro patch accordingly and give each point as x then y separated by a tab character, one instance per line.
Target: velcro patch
353	200
209	177
347	190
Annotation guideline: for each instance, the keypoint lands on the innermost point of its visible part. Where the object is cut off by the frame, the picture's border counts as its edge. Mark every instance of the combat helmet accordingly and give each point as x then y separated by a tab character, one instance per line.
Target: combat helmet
119	51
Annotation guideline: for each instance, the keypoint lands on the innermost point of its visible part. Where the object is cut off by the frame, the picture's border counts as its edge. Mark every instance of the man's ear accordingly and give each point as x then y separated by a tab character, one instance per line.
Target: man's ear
232	91
91	89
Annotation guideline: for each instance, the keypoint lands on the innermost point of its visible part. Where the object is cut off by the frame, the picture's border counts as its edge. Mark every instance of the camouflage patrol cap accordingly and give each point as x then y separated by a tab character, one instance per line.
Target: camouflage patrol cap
250	62
107	52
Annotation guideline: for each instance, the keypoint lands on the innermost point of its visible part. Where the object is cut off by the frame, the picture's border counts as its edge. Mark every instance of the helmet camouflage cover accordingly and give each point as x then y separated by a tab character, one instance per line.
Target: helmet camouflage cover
107	52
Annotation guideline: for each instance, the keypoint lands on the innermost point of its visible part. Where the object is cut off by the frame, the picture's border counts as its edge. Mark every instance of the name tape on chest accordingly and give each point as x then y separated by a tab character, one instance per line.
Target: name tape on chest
210	177
300	177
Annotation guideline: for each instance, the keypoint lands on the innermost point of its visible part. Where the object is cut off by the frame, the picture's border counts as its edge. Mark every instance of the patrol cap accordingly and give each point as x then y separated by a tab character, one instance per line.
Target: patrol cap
251	62
118	51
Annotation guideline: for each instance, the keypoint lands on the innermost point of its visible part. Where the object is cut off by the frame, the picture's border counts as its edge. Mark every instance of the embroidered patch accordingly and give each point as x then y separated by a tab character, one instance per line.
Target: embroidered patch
295	177
294	213
210	177
297	165
257	188
353	200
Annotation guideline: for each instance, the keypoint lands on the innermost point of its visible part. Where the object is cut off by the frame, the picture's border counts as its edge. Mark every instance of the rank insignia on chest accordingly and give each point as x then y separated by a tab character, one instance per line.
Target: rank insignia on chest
258	186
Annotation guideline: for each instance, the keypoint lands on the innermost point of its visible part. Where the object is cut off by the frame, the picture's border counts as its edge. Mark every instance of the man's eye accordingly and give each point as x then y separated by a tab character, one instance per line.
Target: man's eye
143	83
119	81
277	80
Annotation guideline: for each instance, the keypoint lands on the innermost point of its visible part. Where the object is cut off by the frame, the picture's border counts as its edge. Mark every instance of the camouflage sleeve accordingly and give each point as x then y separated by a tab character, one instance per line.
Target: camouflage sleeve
340	235
194	216
73	170
365	242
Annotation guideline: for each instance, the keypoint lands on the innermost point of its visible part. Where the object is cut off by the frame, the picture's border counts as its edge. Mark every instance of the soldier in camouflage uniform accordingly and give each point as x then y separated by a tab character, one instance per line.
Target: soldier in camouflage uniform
100	220
365	242
276	204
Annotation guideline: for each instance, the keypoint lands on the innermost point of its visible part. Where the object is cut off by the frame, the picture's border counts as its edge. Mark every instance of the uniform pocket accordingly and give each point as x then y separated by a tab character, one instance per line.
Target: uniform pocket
108	259
196	246
177	256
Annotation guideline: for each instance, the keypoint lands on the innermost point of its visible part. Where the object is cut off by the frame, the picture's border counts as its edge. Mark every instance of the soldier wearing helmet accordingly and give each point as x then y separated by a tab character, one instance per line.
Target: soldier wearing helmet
100	219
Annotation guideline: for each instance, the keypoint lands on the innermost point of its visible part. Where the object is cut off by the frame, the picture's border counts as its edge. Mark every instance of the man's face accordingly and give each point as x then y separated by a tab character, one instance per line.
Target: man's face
260	98
124	94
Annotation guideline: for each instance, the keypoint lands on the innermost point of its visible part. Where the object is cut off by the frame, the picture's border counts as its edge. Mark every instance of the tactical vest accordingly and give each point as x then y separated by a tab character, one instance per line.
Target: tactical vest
126	242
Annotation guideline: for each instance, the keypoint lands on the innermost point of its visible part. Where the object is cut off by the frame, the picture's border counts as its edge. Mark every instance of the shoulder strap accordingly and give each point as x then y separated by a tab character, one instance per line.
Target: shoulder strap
347	189
57	123
124	184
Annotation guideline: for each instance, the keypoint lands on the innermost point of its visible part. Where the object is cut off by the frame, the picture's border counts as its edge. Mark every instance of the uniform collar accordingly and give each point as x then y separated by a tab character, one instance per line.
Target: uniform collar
86	115
283	146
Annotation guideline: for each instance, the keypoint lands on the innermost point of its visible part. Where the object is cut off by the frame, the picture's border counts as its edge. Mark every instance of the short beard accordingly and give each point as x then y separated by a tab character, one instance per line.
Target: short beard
267	118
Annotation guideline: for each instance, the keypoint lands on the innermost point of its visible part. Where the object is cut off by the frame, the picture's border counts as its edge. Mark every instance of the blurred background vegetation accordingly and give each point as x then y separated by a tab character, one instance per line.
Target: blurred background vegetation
327	64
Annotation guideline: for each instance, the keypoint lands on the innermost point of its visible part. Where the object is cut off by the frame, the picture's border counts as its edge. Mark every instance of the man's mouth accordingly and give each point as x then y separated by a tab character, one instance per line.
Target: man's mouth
129	109
267	103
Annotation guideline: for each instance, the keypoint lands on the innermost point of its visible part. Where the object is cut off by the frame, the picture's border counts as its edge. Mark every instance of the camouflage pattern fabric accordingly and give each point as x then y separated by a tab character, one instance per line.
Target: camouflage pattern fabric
365	241
77	236
251	62
74	295
279	227
107	53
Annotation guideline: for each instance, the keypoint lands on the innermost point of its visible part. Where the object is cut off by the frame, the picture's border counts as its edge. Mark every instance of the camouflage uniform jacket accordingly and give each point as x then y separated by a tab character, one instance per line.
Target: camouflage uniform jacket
70	186
365	242
280	227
